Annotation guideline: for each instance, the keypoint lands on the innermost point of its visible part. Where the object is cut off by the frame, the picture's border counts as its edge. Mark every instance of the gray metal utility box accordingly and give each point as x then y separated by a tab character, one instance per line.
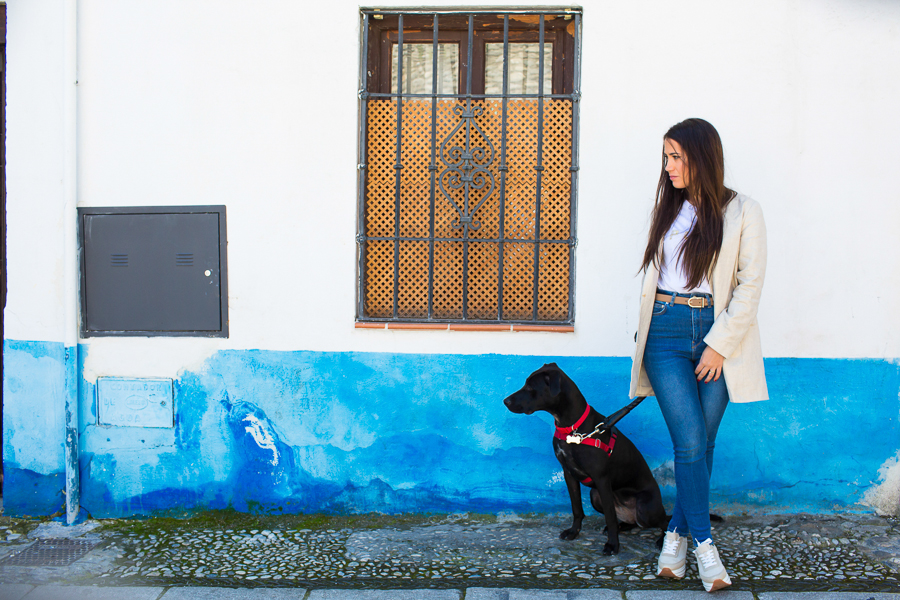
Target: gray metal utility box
153	271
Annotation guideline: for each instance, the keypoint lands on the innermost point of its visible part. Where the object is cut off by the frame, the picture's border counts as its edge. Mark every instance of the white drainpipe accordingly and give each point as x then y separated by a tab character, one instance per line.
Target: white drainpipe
70	257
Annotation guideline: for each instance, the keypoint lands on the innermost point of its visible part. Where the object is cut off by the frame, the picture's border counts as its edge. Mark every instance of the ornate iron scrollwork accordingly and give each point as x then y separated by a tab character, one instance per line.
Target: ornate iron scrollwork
467	167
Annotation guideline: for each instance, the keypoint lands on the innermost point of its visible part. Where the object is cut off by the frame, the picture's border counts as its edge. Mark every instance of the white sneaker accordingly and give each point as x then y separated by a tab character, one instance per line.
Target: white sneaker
712	571
672	558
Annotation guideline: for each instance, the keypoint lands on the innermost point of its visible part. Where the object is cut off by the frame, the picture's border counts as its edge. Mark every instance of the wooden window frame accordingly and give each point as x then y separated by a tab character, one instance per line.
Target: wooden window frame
390	166
453	29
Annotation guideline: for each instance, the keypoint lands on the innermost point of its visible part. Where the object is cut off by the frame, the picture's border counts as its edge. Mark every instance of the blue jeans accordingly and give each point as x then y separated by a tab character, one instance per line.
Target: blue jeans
692	409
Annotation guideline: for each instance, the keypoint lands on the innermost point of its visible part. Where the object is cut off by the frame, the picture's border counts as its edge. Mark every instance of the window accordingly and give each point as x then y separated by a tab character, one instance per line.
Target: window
468	146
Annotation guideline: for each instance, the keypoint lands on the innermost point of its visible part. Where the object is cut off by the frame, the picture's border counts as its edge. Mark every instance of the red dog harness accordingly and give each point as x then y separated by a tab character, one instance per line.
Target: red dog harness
562	433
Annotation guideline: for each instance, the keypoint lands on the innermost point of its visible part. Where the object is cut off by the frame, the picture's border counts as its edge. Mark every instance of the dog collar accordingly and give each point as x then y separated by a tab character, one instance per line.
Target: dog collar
562	432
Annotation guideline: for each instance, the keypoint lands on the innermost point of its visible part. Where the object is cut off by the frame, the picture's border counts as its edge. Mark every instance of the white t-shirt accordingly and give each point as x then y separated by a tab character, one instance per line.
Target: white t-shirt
671	272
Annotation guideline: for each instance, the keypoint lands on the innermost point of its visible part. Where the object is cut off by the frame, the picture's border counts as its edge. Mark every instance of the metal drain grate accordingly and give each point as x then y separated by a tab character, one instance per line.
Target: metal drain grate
50	552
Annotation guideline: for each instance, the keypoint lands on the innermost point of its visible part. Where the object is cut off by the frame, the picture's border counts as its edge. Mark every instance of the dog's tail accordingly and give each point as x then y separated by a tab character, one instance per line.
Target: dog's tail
714	518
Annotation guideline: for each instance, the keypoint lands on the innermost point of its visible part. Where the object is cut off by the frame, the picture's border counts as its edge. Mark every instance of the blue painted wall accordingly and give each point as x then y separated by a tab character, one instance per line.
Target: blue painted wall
356	432
34	378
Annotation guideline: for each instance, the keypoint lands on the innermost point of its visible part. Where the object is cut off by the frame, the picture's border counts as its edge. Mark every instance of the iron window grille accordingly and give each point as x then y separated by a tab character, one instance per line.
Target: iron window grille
467	196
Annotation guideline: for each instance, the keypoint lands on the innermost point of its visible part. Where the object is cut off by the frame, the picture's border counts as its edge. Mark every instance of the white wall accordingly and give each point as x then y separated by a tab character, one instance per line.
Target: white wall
35	170
251	106
804	97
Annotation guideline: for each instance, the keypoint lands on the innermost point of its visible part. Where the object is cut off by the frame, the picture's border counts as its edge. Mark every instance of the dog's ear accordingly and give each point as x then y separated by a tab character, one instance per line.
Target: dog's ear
552	380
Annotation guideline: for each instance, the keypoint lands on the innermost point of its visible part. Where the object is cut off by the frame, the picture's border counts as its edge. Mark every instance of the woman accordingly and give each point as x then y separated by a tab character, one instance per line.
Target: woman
698	340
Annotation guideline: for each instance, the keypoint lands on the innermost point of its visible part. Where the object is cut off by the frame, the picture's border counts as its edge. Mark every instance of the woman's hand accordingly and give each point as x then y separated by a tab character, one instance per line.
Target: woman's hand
710	366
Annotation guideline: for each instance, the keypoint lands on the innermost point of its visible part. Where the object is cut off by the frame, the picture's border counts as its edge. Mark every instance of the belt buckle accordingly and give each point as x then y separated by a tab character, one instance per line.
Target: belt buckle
700	301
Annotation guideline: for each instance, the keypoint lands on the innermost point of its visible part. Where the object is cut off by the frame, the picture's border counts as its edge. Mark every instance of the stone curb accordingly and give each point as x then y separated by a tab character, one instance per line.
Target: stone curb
385	595
75	592
687	595
522	594
14	591
210	593
828	596
63	592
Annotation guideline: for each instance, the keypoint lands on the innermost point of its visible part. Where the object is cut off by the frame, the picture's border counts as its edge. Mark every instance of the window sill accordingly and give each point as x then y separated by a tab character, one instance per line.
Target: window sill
466	327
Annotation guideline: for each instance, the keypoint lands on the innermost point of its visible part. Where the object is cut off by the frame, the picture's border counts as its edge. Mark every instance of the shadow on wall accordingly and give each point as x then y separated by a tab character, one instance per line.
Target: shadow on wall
274	432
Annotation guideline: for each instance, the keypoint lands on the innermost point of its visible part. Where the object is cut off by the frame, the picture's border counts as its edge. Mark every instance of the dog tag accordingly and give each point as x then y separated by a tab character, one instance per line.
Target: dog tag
573	439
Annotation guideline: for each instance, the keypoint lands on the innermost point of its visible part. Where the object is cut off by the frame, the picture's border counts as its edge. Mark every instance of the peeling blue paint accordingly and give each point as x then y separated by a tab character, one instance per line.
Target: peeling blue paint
27	493
267	431
73	484
33	427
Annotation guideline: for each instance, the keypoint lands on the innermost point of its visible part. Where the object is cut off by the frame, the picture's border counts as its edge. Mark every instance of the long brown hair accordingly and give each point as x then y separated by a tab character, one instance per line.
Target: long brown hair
705	161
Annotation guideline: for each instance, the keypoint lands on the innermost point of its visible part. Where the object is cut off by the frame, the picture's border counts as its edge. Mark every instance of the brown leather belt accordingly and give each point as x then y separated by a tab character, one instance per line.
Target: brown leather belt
693	301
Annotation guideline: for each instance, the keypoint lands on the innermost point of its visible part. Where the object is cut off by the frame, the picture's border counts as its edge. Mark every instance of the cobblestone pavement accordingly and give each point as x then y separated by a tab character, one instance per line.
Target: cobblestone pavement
788	553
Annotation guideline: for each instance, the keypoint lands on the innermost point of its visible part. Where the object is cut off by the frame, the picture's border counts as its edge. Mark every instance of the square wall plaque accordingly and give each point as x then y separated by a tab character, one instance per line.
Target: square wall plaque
135	402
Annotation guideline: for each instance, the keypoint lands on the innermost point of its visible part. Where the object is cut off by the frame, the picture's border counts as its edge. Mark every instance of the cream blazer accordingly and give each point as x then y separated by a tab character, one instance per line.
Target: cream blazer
736	282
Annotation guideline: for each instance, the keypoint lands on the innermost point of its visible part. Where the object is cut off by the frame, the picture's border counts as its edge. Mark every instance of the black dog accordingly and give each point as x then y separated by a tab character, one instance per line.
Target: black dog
622	486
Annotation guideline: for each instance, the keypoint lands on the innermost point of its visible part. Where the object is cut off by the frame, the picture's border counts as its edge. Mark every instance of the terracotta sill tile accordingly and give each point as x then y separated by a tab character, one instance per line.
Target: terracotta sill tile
464	327
479	327
441	326
554	328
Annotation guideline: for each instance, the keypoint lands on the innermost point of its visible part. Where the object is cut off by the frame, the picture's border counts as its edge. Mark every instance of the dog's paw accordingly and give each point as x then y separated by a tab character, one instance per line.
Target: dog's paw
569	534
609	549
